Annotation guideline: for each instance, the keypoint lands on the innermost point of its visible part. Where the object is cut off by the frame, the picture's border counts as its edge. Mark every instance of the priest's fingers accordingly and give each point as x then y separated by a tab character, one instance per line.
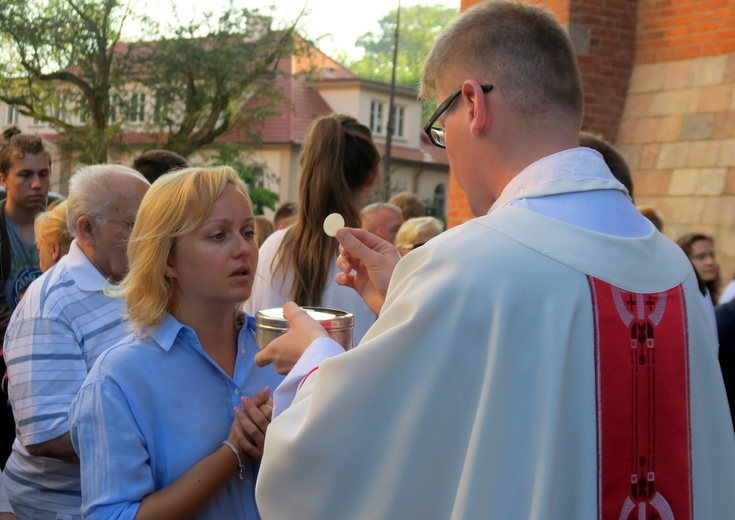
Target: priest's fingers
377	257
347	263
284	351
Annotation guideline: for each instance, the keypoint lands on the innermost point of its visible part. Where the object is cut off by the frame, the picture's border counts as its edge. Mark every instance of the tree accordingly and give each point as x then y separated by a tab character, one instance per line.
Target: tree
59	68
251	172
420	24
68	67
207	76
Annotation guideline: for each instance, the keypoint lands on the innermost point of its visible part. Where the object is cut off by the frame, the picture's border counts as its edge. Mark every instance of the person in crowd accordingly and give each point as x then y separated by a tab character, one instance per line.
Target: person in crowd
339	166
410	205
53	238
725	315
62	324
154	163
382	219
548	359
653	215
700	248
728	293
415	232
263	228
192	263
25	165
285	216
612	157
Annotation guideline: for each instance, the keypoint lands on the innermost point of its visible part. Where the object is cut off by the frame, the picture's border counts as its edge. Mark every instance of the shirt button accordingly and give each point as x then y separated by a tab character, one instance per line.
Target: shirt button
248	482
242	351
237	391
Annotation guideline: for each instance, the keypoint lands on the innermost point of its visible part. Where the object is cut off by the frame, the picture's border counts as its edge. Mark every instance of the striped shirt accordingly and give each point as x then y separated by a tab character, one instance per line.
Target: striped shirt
60	327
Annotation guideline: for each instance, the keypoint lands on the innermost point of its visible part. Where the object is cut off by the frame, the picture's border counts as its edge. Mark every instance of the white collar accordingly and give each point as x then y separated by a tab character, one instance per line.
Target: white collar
82	270
557	174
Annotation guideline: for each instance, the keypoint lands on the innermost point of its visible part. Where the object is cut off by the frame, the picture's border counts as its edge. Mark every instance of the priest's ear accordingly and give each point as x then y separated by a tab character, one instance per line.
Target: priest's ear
477	106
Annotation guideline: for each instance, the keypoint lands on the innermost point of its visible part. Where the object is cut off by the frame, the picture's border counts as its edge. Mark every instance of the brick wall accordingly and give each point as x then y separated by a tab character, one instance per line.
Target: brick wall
678	127
671	30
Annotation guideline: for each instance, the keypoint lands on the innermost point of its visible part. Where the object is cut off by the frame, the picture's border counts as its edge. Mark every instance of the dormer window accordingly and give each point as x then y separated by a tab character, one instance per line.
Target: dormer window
379	125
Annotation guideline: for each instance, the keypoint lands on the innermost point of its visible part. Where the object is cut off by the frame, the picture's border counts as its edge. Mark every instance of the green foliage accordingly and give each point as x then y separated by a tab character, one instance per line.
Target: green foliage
210	75
253	173
420	25
63	62
58	65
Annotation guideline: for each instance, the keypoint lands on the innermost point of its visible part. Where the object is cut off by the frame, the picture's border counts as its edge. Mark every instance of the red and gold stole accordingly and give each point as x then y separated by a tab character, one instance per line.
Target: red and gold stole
643	423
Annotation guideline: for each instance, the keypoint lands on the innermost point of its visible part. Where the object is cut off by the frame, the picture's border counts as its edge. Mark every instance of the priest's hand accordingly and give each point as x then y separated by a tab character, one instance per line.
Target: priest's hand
367	263
284	351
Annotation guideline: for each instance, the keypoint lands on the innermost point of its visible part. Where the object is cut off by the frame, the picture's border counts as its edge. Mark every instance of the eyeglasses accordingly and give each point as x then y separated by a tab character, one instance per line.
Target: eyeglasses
436	133
127	224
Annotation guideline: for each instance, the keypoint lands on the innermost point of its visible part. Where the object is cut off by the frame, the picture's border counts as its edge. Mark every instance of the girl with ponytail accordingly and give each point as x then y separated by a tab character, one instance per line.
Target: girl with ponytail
339	166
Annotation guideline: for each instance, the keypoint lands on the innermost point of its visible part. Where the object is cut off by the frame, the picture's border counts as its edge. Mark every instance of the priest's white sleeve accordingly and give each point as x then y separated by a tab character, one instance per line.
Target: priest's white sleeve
318	351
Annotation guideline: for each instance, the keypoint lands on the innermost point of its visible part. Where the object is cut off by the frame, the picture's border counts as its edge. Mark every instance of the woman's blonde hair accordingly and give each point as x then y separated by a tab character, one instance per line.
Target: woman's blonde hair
175	205
416	231
50	226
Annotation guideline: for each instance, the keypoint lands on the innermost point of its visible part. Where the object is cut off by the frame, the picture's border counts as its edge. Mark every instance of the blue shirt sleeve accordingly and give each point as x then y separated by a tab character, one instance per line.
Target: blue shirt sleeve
109	442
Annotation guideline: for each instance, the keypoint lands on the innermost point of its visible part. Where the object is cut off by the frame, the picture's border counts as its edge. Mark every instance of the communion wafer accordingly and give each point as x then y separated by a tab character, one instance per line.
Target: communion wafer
333	223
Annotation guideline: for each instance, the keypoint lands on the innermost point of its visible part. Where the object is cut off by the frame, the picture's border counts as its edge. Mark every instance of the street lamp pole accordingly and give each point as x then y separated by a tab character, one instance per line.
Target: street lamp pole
391	110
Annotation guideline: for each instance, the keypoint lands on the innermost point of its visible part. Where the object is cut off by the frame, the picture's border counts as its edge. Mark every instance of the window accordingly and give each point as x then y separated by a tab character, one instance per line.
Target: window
380	127
115	106
84	116
136	110
12	115
376	117
160	109
398	115
440	201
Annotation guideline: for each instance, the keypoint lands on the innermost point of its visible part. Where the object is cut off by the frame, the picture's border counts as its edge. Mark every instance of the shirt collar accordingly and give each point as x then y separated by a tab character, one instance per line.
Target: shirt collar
166	333
557	174
82	271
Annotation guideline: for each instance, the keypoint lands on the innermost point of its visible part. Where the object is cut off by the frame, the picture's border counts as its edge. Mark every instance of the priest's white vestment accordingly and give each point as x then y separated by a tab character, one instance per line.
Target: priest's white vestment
473	396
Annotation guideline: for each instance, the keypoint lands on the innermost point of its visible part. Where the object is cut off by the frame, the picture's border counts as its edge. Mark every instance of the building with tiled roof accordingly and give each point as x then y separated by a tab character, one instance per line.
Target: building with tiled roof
312	86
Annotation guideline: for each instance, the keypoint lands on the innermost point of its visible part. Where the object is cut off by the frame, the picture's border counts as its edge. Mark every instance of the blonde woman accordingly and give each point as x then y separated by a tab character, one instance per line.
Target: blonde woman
158	423
52	235
415	232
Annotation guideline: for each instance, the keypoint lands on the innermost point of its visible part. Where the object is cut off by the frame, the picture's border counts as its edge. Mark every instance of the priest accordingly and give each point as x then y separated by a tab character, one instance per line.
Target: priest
549	359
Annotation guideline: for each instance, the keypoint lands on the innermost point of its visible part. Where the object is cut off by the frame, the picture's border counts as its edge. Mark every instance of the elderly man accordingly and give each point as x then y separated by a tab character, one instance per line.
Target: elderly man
549	359
382	219
62	324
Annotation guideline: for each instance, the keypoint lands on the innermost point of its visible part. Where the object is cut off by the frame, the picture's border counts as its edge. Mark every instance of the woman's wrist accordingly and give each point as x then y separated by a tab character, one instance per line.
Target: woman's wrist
239	457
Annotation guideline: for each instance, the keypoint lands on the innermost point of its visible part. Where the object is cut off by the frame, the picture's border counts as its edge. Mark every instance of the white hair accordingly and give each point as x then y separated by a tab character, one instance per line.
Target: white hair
90	192
377	206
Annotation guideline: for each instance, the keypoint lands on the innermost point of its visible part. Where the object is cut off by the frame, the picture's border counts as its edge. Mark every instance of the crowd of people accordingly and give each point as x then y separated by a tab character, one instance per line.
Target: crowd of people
554	357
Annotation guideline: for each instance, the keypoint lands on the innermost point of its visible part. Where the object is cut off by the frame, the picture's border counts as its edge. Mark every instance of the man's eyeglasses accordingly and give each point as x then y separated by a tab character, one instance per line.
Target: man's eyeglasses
126	224
436	133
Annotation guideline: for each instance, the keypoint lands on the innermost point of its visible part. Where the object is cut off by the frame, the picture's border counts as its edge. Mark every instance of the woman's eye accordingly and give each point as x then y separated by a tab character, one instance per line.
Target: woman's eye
218	236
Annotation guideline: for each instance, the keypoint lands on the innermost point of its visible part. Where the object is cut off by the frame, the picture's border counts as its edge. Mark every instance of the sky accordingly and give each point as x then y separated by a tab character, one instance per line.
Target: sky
337	23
